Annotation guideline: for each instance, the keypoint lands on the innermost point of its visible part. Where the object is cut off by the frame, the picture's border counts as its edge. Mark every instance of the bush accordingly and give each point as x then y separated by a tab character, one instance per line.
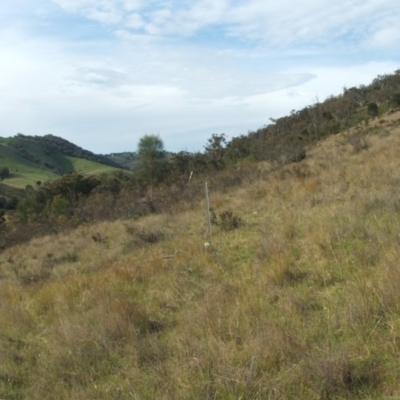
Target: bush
372	109
227	220
395	99
59	206
4	173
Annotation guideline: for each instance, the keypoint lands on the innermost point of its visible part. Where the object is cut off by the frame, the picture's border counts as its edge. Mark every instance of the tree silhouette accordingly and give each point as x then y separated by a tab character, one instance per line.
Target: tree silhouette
152	158
4	173
215	150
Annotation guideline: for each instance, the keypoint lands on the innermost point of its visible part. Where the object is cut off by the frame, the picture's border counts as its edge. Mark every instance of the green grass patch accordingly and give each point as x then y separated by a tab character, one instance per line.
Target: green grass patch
86	167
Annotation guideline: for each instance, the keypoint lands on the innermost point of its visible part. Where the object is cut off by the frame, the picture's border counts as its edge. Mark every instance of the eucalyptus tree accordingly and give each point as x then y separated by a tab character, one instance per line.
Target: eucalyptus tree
152	159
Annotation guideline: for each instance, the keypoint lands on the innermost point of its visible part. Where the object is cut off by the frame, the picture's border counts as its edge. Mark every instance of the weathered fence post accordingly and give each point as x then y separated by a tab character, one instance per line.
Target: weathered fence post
208	213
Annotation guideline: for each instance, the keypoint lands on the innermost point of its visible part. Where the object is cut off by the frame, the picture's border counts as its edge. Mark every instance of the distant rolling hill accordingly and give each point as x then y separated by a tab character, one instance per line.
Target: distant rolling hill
128	159
33	159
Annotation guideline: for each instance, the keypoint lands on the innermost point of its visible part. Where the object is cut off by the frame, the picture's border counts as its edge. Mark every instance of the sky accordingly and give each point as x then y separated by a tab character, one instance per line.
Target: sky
104	73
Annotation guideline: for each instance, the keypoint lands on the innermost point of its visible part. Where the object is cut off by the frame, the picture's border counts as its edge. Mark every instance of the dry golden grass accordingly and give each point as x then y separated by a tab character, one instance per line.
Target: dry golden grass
302	301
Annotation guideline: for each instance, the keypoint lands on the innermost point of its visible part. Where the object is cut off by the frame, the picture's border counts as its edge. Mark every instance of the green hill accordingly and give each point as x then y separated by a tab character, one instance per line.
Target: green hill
127	159
33	159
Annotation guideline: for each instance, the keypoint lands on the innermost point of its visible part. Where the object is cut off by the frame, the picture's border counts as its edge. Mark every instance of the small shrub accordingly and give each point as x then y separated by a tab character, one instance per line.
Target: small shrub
287	276
330	128
298	156
395	99
372	109
227	220
139	237
97	238
4	173
150	237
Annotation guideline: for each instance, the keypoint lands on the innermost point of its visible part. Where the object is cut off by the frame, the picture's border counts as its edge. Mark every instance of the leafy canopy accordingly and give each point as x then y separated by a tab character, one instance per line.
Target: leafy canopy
152	157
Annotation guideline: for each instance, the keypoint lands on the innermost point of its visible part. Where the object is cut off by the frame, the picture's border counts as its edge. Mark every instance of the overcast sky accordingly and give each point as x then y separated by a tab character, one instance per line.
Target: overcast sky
102	73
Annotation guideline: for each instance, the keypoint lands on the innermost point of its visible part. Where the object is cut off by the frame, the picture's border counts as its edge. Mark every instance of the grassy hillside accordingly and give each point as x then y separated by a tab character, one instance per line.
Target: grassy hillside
30	160
87	167
128	160
300	301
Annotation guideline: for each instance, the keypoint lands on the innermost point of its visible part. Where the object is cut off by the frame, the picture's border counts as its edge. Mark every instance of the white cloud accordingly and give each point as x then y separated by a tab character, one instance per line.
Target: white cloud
277	23
182	69
388	37
132	5
103	11
135	21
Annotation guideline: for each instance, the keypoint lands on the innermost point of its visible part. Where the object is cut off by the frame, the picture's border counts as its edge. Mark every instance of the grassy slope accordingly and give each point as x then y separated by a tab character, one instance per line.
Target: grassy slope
128	159
87	167
24	172
301	302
